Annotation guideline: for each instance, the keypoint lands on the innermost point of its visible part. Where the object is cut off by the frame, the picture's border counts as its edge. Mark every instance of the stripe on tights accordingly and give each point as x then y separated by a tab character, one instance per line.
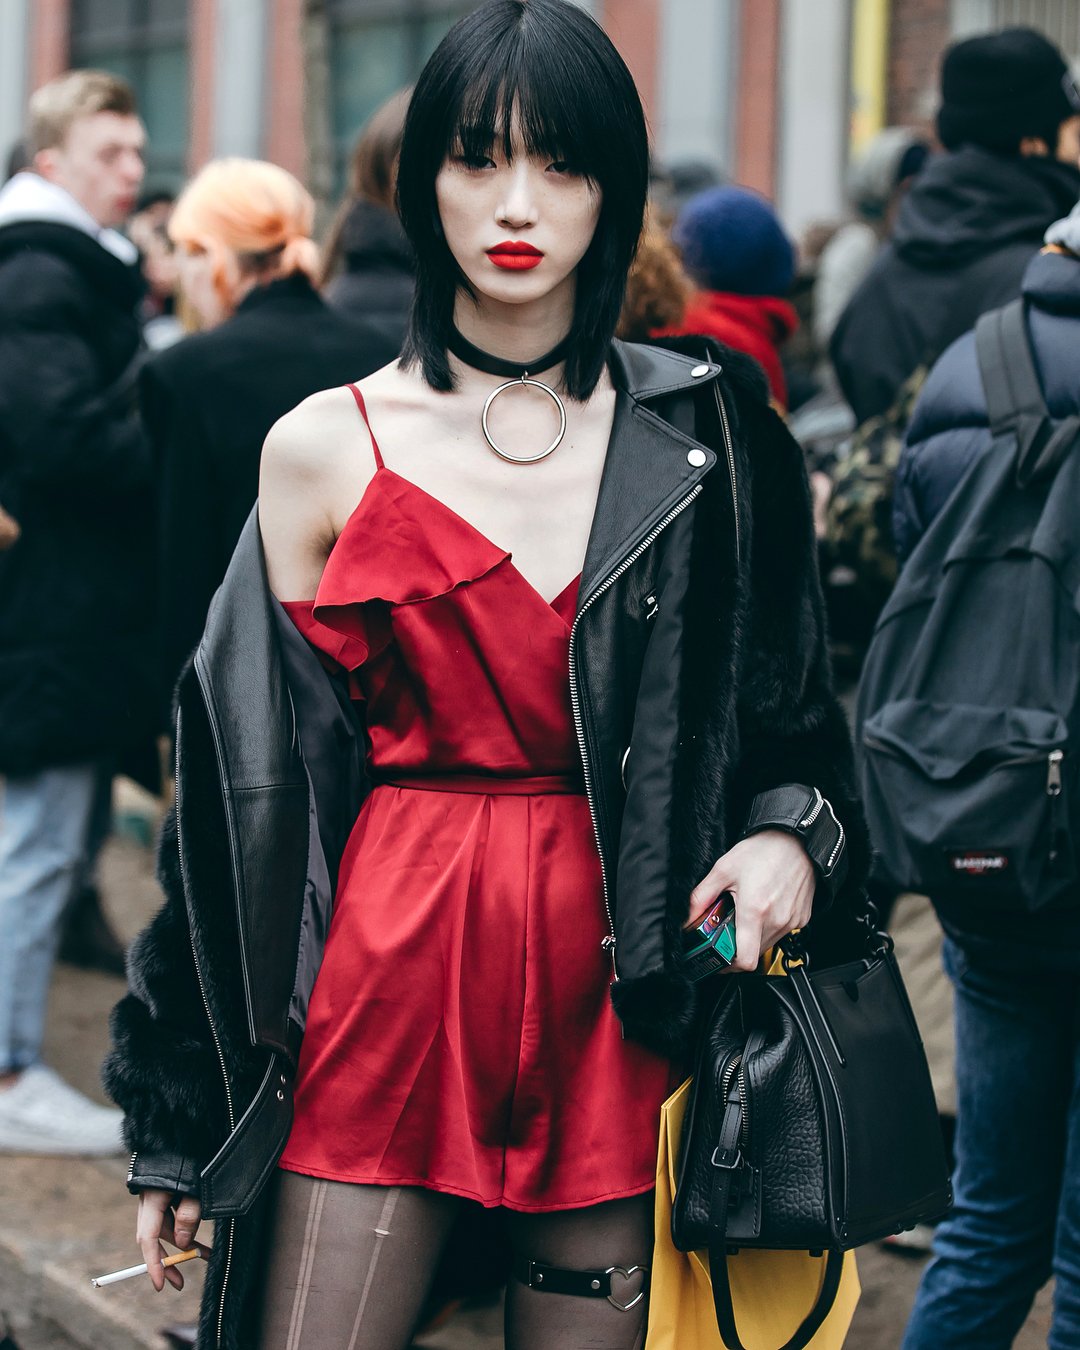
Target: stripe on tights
382	1230
307	1264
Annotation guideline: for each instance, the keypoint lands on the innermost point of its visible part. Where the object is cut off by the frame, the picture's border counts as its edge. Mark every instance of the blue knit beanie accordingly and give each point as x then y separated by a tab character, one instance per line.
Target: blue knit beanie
732	241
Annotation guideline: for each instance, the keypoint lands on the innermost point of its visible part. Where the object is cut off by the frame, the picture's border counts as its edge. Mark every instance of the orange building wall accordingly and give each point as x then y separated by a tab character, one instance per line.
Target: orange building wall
756	113
202	26
50	40
634	27
284	95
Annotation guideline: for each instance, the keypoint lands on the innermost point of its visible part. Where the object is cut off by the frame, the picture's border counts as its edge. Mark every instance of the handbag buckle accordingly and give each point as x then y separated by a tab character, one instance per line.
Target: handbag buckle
729	1159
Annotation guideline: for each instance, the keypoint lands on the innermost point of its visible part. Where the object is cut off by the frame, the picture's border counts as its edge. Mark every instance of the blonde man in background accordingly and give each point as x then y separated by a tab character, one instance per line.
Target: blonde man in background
76	584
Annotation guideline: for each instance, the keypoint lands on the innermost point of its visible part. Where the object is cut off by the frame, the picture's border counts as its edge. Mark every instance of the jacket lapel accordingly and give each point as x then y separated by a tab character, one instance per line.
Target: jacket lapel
651	465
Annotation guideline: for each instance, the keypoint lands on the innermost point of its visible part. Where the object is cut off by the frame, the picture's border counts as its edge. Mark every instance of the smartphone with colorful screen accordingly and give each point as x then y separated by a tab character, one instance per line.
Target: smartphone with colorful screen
710	945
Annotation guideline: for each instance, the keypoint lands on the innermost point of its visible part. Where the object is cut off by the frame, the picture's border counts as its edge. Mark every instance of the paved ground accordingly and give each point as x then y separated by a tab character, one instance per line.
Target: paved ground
62	1222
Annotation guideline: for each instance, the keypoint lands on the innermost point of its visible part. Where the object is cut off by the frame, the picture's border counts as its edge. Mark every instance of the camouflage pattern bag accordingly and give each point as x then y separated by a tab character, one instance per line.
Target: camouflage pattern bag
858	549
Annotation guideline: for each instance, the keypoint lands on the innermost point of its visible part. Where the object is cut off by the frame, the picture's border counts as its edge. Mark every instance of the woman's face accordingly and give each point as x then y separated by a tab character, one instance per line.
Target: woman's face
517	228
196	272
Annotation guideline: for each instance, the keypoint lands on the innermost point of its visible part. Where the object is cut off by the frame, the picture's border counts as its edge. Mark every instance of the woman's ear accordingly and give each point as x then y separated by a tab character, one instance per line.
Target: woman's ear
226	277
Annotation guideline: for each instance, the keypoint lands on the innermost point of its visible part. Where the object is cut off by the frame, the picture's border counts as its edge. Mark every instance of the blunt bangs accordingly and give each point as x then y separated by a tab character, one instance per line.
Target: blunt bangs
544	69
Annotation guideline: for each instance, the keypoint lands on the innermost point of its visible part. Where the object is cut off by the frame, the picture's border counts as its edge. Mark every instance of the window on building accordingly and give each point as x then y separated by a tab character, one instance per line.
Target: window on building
1058	19
376	47
145	42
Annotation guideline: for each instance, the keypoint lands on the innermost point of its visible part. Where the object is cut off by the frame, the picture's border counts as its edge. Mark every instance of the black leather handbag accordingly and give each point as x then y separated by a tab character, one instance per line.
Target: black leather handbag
811	1124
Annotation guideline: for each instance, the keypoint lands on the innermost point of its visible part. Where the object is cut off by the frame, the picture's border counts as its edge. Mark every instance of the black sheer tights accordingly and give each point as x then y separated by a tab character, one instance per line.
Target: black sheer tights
350	1268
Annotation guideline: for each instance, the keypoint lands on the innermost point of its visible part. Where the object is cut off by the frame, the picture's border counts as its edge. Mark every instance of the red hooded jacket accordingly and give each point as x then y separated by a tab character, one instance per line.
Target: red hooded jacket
755	324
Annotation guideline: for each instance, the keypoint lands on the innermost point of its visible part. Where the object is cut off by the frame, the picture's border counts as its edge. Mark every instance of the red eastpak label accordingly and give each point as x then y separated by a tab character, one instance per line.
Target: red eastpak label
977	862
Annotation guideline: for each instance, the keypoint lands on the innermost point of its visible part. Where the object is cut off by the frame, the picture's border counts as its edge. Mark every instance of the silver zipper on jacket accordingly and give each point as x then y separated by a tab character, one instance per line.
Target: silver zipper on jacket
729	450
213	1032
575	701
820	803
131	1167
818	807
839	846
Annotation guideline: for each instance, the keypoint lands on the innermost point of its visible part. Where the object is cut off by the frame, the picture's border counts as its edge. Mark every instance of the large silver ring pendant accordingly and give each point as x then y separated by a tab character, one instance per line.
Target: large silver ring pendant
524	383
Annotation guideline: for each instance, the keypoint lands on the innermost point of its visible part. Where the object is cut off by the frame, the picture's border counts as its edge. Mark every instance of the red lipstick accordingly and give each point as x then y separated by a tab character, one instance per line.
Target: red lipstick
515	256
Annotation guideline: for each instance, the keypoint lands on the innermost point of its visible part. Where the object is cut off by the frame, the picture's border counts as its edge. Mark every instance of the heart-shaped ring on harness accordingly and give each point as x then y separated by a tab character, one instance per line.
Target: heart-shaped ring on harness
626	1273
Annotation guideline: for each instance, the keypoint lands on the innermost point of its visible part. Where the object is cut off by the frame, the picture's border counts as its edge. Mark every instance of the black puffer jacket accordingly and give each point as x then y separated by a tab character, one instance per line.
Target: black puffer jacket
949	428
77	589
948	432
376	281
700	679
966	231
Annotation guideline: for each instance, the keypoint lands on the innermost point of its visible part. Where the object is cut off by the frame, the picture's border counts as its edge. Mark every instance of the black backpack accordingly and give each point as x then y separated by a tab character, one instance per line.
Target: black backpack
969	706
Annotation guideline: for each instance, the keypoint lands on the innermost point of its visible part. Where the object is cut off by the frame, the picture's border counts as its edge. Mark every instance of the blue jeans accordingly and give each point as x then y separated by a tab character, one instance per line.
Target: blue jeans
1016	1220
52	826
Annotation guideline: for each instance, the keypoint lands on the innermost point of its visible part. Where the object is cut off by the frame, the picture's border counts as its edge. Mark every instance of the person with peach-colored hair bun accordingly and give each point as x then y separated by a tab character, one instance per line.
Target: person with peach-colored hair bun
247	266
241	223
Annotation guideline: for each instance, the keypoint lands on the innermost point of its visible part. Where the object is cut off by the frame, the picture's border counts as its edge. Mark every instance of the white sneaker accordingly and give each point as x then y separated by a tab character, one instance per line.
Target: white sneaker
41	1113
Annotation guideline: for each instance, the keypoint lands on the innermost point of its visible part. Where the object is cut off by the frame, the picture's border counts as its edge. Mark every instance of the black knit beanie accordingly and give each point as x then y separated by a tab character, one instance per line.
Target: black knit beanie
998	88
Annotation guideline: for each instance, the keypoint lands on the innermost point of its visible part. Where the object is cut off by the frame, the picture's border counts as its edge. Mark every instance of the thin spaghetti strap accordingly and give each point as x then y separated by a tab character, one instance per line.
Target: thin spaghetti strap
363	413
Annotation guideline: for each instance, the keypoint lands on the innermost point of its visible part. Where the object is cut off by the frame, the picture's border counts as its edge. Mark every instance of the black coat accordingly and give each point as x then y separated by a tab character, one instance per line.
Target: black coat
376	281
208	403
966	231
77	589
948	432
699	678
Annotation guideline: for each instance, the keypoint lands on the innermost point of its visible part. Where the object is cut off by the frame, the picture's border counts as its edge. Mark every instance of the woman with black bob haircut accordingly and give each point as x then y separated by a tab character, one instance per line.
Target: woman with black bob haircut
571	101
519	667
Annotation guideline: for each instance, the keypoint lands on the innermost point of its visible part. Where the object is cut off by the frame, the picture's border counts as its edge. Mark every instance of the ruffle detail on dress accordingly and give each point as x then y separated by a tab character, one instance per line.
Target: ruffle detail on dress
338	650
388	554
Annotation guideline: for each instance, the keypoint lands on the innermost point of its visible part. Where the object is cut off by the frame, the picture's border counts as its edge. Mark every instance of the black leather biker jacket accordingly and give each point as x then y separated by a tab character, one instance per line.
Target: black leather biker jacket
699	680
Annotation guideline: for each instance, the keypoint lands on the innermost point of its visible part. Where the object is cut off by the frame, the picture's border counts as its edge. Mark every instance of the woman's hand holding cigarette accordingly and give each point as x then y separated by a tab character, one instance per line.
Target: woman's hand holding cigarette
156	1222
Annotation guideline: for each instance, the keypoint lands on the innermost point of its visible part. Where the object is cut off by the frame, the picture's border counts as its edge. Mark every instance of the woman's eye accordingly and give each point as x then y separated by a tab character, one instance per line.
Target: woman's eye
476	161
560	166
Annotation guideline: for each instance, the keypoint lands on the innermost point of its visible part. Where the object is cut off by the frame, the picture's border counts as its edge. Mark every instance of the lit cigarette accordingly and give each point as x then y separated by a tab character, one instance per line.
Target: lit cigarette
132	1271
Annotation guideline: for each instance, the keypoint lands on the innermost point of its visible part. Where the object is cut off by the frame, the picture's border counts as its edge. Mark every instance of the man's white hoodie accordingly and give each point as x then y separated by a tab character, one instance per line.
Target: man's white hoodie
29	197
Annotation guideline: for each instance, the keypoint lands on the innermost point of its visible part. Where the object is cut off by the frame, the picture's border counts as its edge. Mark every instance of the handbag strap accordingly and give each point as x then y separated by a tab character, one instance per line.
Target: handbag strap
812	1323
730	1170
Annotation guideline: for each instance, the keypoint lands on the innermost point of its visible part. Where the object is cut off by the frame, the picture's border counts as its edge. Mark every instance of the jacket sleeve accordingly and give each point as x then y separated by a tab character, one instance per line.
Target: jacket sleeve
65	430
163	1069
949	430
865	348
189	568
908	523
792	728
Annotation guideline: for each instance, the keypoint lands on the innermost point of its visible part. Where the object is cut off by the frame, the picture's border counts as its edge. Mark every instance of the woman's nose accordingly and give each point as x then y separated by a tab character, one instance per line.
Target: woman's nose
518	204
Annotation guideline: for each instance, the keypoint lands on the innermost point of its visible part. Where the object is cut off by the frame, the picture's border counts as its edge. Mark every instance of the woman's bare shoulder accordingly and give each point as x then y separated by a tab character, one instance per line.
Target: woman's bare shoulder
309	441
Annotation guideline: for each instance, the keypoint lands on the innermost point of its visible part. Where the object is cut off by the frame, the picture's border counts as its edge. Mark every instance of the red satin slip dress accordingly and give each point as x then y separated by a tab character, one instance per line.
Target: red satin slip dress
460	1034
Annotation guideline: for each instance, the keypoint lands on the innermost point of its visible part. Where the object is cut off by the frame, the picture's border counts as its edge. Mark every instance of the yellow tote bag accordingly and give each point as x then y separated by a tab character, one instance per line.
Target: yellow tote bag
772	1292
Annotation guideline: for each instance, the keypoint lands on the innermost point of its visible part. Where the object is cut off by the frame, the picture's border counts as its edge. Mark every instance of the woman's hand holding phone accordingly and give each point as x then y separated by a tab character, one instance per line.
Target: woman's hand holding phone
772	880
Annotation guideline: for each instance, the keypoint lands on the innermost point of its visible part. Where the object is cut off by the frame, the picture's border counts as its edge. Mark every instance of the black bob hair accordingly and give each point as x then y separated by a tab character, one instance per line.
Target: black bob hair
555	70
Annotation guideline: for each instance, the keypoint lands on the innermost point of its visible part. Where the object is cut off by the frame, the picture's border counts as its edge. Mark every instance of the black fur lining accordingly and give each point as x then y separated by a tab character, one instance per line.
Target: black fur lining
659	1010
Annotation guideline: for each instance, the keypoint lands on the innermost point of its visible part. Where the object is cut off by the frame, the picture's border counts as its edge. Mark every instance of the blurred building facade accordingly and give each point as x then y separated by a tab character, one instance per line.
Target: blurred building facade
775	93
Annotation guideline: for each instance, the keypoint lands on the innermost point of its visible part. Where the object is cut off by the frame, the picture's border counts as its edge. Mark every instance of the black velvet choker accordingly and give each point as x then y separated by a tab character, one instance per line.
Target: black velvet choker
464	350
